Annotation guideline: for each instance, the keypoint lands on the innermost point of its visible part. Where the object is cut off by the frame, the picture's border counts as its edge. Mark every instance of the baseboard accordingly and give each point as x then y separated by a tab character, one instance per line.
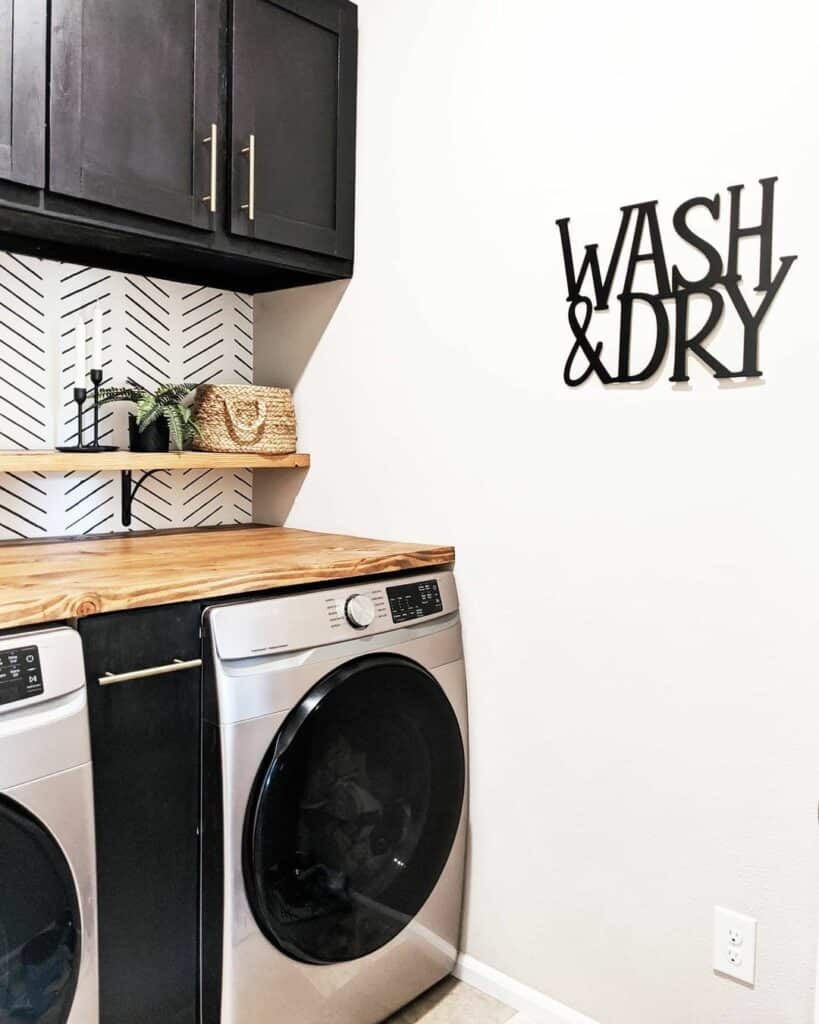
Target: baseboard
537	1008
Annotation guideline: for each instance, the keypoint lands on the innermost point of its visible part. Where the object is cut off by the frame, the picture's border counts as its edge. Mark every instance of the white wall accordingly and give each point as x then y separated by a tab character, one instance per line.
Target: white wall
638	568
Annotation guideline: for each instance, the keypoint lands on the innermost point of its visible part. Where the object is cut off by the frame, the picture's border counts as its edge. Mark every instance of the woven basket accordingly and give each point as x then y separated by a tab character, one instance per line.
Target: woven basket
244	418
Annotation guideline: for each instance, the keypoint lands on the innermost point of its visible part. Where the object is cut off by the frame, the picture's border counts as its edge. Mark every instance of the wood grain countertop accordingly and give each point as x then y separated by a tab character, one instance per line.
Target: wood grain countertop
41	581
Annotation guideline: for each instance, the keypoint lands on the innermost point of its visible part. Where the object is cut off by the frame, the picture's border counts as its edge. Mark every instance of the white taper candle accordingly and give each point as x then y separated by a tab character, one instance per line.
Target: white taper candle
96	352
79	354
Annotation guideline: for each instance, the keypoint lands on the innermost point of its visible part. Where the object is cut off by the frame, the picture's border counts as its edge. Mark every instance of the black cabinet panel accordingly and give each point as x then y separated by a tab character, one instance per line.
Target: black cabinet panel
84	233
134	90
294	95
145	737
22	91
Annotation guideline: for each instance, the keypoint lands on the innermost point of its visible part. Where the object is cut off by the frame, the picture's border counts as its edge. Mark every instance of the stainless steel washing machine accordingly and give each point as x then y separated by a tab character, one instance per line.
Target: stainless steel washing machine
48	919
334	785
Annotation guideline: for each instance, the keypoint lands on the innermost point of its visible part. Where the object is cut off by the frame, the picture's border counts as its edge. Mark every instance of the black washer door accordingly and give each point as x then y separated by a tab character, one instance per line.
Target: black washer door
354	811
40	931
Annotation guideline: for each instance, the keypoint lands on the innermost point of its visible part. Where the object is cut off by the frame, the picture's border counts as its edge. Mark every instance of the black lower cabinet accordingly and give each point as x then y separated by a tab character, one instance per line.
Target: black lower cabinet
145	736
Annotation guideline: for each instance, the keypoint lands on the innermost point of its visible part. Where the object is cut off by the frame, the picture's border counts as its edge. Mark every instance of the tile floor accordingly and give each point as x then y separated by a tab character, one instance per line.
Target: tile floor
453	1002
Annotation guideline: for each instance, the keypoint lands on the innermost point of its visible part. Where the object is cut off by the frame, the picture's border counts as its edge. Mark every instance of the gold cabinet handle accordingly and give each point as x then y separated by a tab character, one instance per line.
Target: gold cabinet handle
250	205
145	673
213	139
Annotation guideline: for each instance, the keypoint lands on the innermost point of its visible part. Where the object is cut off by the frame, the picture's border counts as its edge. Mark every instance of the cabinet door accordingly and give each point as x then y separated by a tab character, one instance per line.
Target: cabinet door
145	743
134	91
22	91
293	138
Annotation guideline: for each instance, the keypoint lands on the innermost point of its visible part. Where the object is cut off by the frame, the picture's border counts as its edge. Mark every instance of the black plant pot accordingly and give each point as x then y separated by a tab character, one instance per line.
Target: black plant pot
154	438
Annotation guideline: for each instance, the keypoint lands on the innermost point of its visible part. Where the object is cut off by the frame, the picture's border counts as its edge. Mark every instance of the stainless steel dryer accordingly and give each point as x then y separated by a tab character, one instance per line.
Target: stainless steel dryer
334	791
48	919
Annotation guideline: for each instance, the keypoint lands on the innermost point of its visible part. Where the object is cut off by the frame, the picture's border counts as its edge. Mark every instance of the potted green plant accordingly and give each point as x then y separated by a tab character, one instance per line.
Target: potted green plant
164	418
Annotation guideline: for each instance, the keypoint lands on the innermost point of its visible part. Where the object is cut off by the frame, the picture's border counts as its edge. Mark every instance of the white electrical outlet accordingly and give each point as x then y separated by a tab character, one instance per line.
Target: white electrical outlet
735	945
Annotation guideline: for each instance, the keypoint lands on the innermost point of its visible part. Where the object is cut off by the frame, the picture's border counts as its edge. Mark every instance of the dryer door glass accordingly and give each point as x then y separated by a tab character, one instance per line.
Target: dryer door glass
39	922
355	810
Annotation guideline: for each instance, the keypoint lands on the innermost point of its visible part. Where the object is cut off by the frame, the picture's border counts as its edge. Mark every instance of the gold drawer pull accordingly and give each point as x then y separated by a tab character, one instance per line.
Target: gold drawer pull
210	198
146	673
250	205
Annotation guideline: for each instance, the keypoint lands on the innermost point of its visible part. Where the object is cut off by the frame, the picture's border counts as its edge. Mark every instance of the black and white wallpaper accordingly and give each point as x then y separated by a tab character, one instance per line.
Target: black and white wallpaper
155	331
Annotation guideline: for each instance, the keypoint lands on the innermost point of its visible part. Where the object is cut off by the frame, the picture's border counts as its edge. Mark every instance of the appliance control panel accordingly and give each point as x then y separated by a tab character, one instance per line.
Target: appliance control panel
21	676
271	626
359	609
414	600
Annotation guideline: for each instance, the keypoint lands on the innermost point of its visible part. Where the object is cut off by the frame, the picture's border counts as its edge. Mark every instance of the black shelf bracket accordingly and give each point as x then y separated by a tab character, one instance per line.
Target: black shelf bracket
129	490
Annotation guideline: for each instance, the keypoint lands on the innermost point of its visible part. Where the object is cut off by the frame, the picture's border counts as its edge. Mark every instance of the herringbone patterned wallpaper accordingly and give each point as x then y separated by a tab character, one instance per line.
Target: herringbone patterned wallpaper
155	331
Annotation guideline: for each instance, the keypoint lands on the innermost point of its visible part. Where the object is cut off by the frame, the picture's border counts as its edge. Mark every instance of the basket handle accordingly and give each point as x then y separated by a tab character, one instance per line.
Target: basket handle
246	429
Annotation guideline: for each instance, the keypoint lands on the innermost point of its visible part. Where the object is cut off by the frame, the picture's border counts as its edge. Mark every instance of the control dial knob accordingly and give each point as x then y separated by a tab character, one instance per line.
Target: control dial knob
360	611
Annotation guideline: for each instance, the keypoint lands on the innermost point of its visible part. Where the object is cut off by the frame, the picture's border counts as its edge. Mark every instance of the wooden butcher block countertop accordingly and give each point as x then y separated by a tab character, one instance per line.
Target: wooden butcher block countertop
41	581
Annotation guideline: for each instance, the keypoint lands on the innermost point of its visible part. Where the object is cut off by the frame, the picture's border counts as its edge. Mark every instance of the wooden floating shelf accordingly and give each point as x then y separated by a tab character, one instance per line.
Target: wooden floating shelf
68	462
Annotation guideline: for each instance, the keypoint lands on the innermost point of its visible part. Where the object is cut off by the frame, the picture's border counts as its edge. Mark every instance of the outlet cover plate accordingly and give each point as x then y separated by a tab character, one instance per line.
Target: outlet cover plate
735	945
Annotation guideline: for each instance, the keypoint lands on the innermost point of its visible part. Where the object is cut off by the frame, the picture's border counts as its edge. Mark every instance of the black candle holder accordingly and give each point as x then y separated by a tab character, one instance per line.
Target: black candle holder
80	395
95	446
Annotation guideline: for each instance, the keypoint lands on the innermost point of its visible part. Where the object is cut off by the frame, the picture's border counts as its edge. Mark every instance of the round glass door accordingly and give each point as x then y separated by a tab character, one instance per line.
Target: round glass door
354	811
39	922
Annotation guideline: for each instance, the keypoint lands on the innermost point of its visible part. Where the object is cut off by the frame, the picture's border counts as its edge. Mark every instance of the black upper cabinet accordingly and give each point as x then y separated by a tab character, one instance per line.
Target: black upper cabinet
129	173
22	91
293	112
134	92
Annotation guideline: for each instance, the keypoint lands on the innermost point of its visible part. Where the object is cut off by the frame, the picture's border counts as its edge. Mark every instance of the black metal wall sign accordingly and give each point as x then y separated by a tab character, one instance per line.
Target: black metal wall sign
586	356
